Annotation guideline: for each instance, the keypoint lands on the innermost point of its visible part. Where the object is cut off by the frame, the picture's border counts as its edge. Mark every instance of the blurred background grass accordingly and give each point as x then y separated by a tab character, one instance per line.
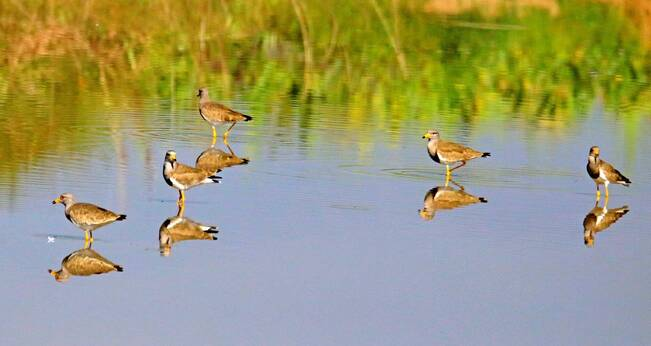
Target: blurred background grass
383	61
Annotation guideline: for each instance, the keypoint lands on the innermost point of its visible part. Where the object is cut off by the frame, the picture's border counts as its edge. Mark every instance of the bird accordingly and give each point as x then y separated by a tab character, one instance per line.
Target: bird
445	198
598	219
87	216
445	152
83	262
602	172
213	160
216	113
178	228
183	177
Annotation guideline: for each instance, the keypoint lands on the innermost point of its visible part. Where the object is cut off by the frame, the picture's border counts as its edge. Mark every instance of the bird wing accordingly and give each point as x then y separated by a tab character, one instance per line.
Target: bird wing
612	174
218	112
185	169
214	160
611	217
188	175
188	229
87	262
449	198
211	160
90	214
453	152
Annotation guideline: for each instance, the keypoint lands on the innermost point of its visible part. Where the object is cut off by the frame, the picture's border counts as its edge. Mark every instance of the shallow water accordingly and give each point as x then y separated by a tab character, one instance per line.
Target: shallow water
323	238
322	242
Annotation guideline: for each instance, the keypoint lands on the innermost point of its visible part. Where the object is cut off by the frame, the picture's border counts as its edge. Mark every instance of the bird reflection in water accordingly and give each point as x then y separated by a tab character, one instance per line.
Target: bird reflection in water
179	228
83	262
213	160
599	219
446	198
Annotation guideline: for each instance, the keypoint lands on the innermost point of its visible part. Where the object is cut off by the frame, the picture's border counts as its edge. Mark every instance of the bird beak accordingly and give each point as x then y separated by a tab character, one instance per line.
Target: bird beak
427	135
52	272
56	200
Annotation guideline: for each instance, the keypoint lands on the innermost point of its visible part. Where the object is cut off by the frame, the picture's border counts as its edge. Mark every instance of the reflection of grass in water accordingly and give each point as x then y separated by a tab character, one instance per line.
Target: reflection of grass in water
396	62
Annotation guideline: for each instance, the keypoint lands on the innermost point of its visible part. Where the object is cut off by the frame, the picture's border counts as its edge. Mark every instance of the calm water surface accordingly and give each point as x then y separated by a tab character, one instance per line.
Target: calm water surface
329	235
321	241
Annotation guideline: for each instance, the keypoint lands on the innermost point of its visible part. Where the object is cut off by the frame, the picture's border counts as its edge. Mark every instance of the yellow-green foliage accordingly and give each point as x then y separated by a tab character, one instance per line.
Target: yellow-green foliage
372	57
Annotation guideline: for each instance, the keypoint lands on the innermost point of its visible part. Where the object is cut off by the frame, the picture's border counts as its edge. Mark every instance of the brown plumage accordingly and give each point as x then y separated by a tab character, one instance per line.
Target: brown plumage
445	152
86	216
178	228
598	219
445	198
216	113
213	160
183	177
83	262
602	172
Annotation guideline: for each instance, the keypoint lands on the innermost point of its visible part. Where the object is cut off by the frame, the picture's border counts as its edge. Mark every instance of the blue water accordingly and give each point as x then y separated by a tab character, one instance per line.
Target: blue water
321	241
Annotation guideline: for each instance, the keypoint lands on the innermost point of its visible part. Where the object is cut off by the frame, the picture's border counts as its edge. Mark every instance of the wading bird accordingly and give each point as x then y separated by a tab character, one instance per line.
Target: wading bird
86	216
216	114
183	177
603	173
445	152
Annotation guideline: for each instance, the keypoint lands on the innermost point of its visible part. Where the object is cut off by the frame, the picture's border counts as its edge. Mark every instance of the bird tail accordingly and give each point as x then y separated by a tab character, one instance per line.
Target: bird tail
624	180
483	200
118	268
121	217
211	229
485	154
623	210
247	117
245	161
214	179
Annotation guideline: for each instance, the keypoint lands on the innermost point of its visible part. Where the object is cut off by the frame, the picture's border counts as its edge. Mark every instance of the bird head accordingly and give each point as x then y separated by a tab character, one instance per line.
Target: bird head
431	134
594	151
202	92
59	275
65	198
170	156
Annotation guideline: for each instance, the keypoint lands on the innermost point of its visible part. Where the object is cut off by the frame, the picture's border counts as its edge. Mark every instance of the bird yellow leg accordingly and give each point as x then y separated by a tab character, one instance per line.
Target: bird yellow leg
181	210
447	170
86	236
214	132
463	163
230	149
181	201
228	131
606	191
